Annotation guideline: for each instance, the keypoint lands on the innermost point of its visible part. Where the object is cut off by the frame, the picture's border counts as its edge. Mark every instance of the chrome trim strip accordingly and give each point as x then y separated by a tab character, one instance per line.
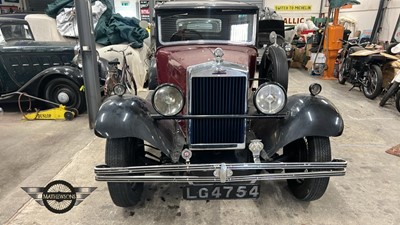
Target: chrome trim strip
209	179
218	146
337	167
334	164
244	116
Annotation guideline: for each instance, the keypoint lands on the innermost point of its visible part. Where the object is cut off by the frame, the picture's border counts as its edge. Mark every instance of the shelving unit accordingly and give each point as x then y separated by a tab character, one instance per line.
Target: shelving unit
145	9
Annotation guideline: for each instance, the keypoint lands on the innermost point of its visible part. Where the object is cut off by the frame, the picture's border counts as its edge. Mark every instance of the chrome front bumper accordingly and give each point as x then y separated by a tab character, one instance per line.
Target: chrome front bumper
223	173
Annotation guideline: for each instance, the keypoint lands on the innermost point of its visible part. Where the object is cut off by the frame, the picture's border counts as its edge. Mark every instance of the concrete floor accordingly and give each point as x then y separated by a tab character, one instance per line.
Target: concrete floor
34	153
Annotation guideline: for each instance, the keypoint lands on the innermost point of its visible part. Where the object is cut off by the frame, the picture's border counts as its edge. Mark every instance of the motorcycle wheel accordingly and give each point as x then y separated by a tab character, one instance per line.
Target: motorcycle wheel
398	101
394	87
375	81
122	152
343	70
309	149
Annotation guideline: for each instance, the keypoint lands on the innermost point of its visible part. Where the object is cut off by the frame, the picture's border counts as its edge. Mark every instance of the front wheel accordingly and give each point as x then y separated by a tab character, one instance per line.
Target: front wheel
123	152
344	70
398	101
394	87
374	80
310	149
66	92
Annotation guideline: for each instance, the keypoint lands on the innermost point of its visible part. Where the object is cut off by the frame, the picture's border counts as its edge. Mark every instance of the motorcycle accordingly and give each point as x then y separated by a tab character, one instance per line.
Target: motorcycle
394	87
362	68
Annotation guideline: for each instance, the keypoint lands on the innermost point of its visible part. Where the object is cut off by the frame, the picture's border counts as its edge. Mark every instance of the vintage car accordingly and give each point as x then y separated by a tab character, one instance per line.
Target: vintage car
40	68
208	123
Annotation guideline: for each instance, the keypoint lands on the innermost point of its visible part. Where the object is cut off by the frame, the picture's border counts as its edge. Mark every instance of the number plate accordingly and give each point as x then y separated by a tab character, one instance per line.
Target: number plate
202	192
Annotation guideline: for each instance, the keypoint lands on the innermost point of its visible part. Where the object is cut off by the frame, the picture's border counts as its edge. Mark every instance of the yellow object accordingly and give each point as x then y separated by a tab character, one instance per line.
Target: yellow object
59	113
293	7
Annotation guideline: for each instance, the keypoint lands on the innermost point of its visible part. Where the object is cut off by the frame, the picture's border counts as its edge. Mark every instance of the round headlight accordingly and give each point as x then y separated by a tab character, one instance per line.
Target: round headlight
168	100
315	89
270	98
119	89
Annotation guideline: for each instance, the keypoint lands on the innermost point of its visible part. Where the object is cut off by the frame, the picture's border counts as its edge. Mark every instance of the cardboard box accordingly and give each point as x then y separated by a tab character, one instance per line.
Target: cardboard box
308	48
296	65
298	55
309	65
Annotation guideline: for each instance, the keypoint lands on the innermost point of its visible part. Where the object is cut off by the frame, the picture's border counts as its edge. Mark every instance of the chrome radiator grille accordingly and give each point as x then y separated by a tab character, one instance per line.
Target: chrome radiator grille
217	95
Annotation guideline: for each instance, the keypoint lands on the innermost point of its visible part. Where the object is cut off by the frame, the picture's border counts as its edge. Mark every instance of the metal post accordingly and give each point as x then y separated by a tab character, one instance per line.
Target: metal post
378	21
151	7
89	58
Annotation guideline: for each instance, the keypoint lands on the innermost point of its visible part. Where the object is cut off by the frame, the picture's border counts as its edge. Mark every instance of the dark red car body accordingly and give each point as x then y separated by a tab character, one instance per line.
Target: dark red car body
172	62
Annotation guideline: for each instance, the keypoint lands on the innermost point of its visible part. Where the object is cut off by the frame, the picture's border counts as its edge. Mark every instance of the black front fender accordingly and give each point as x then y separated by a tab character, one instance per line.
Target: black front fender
129	116
307	116
36	85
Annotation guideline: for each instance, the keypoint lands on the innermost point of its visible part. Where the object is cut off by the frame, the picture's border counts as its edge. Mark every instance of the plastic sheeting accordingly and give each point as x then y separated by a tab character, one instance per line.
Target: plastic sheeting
67	23
110	28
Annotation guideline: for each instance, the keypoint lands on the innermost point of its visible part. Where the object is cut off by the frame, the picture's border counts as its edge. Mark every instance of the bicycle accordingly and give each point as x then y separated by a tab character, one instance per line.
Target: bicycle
115	76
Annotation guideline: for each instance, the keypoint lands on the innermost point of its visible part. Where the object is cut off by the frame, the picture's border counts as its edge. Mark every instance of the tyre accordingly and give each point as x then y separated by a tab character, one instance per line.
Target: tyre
373	87
394	87
273	66
310	149
398	101
68	116
344	69
122	152
153	82
65	91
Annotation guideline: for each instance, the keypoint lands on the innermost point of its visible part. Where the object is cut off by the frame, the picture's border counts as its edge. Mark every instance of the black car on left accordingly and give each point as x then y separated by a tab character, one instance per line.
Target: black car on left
43	69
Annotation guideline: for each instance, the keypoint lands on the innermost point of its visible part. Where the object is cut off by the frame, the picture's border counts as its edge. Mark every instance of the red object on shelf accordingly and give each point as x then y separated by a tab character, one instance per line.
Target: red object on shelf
145	11
304	32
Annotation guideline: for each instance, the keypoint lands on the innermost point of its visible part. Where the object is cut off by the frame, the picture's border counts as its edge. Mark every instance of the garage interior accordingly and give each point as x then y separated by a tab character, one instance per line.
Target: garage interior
34	153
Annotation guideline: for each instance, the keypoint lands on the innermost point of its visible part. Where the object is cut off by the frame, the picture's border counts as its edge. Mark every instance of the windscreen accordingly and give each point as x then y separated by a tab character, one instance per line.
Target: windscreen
205	25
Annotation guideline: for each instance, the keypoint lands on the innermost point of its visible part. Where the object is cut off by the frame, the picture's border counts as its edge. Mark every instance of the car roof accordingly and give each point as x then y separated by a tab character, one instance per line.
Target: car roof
205	4
12	20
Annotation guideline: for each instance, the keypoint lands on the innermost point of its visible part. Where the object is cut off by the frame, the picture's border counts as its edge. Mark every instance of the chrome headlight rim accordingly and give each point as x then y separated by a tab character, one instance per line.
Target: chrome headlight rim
163	86
263	86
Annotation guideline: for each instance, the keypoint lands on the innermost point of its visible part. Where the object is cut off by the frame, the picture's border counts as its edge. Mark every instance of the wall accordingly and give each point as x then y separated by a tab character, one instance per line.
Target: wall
390	20
364	14
295	17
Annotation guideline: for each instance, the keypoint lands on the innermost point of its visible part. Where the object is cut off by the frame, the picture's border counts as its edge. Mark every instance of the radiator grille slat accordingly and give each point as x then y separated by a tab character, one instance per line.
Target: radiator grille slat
219	95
